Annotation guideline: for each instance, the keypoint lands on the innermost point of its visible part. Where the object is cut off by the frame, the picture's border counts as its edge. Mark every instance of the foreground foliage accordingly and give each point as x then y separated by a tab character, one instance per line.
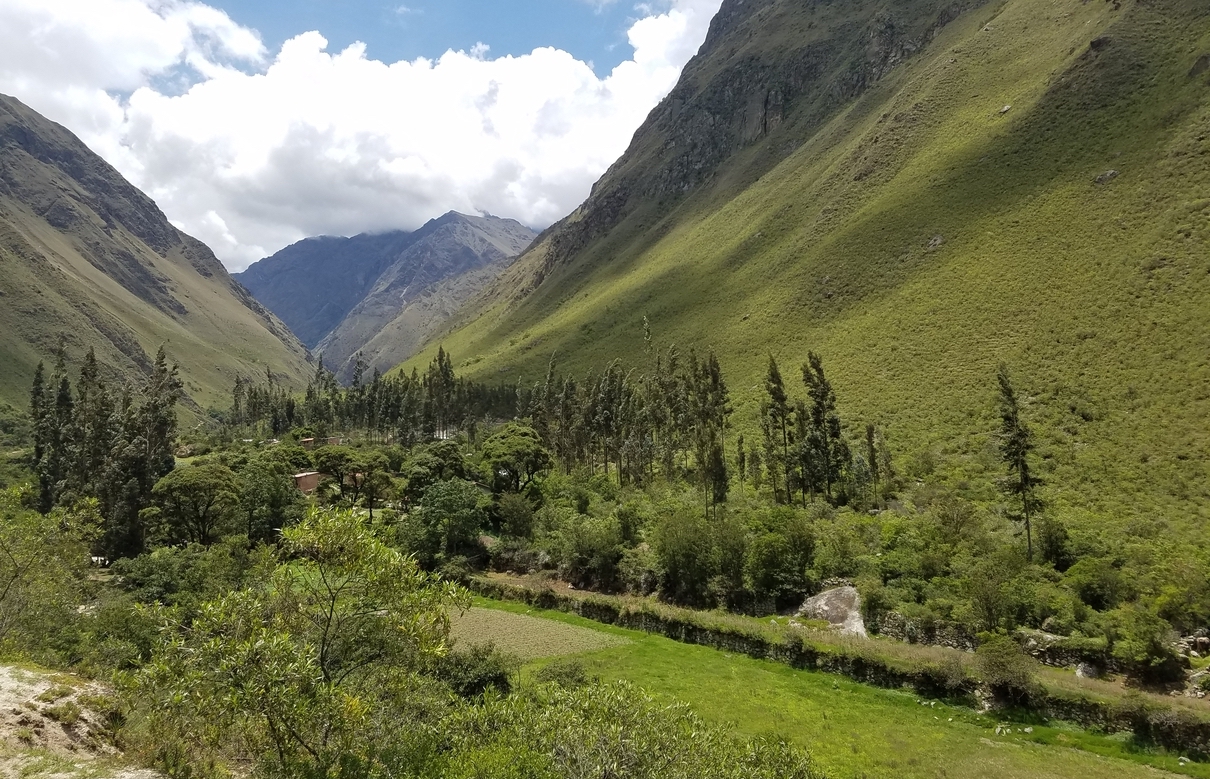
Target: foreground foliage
325	669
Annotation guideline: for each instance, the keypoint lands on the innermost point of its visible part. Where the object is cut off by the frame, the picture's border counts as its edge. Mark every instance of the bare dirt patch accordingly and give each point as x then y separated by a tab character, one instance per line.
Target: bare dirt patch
528	637
57	726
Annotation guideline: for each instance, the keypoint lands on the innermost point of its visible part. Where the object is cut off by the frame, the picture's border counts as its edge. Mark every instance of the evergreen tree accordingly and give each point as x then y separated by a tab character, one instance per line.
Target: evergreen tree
716	474
1016	445
92	430
831	450
778	412
39	410
741	460
871	452
54	435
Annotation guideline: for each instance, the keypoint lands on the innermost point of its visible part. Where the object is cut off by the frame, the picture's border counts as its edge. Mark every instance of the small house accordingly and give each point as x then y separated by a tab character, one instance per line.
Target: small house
307	482
308	443
334	441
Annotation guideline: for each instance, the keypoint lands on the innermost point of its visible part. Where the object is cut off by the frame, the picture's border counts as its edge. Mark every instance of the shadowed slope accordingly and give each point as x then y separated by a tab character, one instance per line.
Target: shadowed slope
89	259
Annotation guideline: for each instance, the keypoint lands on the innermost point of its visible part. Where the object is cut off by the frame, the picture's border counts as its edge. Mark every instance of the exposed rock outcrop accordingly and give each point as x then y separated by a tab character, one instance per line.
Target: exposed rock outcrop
840	607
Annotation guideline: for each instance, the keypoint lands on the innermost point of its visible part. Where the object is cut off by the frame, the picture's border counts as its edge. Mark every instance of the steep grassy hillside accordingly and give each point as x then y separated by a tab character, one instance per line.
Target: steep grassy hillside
1026	183
89	259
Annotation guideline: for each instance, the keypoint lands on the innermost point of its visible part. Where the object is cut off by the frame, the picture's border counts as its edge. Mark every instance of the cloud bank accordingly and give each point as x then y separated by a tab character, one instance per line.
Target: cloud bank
250	150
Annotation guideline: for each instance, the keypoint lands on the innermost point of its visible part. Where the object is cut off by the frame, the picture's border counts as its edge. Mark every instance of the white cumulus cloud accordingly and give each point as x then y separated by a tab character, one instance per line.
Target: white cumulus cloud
250	150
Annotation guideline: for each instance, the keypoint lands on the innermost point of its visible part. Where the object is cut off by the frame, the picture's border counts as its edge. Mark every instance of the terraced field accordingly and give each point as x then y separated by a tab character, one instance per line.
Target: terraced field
528	637
852	730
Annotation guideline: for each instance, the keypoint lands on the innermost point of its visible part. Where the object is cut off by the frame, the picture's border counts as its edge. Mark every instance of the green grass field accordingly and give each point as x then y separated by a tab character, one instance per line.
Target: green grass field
852	730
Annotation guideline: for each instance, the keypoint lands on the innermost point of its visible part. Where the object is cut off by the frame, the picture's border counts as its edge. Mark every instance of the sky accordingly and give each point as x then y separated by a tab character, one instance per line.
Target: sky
254	124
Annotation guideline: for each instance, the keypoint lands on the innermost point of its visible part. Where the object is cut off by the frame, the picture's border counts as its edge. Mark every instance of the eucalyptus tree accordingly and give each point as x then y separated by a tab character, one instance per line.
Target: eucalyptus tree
1016	446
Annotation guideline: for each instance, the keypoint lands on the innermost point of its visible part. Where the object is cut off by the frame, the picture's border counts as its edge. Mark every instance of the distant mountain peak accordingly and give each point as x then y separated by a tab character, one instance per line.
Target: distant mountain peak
382	294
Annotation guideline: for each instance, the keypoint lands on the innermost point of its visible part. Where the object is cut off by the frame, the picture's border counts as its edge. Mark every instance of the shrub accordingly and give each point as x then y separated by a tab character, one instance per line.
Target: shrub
875	599
1142	645
565	672
771	570
686	558
1098	583
1005	668
516	515
472	671
590	552
639	569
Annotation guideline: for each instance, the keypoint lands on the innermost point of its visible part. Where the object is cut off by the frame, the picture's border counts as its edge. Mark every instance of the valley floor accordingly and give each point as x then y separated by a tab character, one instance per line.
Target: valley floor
852	730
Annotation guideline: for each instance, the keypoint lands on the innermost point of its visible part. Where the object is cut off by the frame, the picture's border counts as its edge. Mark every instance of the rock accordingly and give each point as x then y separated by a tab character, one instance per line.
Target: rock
1100	44
1201	66
840	607
1107	177
1029	730
936	243
1087	671
1005	109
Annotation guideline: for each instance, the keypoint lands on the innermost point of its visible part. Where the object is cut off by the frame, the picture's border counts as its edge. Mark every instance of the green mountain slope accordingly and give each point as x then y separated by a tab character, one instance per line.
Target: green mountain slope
917	191
87	258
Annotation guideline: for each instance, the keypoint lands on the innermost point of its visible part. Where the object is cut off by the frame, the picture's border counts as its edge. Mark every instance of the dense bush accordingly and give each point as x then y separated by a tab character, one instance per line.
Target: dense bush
572	732
1142	645
472	671
564	672
1006	669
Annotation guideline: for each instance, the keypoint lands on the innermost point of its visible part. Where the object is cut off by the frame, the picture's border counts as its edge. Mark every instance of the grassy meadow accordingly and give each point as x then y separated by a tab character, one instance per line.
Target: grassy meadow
851	730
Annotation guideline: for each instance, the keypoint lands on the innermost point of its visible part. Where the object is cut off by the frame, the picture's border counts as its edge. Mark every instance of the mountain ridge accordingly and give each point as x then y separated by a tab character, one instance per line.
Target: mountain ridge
92	261
1018	184
380	295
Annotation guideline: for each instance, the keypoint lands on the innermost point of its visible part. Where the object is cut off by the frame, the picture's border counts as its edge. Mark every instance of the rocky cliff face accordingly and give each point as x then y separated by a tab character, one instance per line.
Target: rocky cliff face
313	284
383	295
745	83
91	260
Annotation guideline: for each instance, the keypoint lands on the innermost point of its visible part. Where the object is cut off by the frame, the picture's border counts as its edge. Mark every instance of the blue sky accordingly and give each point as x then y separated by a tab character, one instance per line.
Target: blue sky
255	123
395	30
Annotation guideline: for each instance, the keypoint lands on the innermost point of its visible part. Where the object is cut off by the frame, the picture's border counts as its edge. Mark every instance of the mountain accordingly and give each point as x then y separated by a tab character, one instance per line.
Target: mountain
313	284
383	295
89	259
916	190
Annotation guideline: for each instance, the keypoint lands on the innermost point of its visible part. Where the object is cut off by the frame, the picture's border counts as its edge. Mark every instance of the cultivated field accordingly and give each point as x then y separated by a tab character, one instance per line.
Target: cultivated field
528	637
852	730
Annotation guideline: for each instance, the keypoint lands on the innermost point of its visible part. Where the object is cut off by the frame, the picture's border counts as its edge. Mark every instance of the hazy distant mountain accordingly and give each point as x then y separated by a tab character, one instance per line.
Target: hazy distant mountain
314	283
87	257
383	295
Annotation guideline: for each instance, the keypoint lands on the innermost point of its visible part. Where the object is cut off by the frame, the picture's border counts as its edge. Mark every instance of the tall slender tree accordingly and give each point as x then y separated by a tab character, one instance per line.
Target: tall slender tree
871	451
778	410
741	461
1016	446
831	450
